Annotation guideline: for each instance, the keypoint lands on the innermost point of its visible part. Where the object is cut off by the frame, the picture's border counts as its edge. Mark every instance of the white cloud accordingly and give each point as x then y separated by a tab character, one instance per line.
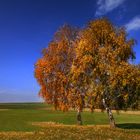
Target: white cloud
105	6
134	24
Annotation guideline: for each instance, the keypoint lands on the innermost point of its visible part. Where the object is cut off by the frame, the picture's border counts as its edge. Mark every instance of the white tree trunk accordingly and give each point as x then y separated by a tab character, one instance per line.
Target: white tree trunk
110	115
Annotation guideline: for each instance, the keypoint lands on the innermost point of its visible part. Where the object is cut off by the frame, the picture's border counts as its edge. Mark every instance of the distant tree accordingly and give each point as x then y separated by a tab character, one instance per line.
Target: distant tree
52	70
101	74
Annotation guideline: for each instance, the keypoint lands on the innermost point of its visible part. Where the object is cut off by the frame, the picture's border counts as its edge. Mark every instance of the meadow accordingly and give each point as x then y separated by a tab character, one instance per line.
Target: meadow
40	121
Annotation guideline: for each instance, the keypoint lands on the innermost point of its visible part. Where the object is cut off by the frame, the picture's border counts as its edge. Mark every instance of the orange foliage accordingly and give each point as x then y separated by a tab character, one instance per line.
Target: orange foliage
80	69
51	71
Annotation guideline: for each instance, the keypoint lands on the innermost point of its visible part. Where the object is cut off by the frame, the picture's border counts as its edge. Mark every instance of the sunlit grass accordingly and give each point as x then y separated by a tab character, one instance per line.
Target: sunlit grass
40	121
64	132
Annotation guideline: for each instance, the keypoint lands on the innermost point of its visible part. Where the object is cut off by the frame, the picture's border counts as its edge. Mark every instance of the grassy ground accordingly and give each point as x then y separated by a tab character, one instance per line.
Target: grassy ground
20	121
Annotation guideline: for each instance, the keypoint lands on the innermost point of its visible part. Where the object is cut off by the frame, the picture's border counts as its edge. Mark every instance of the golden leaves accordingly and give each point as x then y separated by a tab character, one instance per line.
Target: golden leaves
102	54
51	71
94	64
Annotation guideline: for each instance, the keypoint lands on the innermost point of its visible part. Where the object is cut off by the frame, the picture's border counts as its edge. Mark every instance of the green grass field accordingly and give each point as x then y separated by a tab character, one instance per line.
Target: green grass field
20	119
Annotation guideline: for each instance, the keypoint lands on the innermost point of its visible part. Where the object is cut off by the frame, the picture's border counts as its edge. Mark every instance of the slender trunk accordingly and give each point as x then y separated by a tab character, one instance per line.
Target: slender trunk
79	118
110	115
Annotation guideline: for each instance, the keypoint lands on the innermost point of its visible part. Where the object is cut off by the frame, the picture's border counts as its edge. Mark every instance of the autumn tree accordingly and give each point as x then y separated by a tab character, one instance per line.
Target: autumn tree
52	70
101	74
89	68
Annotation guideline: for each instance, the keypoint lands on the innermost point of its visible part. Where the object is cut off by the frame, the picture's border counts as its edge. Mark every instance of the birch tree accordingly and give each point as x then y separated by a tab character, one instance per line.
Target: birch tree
51	71
101	72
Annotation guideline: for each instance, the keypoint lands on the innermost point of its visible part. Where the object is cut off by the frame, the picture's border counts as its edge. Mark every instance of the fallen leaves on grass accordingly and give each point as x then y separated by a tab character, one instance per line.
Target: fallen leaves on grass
57	131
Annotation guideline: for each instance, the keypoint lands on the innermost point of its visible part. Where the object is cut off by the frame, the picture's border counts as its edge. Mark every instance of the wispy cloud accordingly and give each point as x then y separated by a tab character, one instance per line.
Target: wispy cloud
105	6
15	95
134	24
2	91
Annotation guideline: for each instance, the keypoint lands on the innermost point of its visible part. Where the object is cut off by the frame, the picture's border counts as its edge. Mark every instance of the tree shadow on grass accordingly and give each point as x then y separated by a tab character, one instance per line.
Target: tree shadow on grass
129	125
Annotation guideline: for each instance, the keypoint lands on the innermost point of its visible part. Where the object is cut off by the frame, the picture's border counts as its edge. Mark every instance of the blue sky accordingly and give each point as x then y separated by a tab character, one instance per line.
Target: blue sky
26	26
